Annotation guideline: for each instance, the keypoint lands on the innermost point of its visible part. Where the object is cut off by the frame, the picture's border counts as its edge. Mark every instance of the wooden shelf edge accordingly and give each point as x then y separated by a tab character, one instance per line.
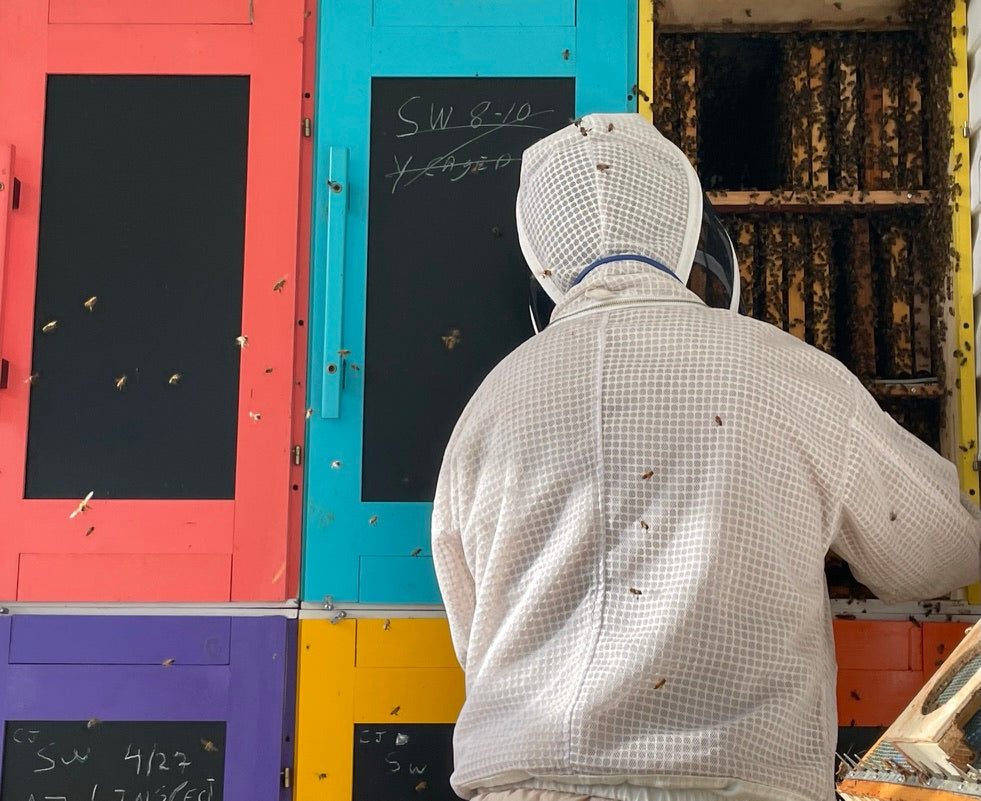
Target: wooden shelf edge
906	389
809	201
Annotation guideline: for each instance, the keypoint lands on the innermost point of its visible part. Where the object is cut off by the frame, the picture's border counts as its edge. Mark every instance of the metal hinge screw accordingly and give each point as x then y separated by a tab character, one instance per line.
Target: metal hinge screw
307	126
297	454
286	777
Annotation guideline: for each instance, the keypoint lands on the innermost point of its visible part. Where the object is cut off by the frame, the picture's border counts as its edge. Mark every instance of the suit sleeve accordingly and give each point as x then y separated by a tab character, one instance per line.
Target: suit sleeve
904	528
456	582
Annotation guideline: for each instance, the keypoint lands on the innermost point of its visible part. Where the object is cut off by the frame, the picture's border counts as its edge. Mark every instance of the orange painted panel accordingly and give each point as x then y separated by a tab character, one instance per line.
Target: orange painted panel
159	11
122	576
878	645
248	533
939	639
875	697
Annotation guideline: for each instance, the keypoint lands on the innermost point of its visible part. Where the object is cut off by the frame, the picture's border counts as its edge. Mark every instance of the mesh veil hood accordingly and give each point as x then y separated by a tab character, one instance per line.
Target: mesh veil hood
607	185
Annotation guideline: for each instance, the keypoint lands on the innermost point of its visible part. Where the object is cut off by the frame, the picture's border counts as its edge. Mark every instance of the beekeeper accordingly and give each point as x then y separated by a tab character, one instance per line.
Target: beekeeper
633	512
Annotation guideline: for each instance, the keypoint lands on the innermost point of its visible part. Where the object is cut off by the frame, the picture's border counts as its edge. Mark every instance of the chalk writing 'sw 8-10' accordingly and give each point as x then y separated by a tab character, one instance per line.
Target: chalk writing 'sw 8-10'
461	160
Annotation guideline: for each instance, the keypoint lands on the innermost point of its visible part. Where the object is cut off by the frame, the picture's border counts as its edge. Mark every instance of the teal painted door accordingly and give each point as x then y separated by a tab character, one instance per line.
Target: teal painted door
418	287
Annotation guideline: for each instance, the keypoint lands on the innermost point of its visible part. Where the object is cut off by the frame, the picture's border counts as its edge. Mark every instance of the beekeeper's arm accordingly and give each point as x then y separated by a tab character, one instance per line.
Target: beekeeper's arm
905	530
452	571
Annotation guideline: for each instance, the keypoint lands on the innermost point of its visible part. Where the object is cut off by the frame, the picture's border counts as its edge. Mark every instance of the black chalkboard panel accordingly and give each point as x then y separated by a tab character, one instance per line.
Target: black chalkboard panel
447	294
113	761
410	762
142	209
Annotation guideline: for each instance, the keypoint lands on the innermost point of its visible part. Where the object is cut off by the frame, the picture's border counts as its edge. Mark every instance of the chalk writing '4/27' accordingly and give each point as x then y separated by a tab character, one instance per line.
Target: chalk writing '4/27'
156	761
482	118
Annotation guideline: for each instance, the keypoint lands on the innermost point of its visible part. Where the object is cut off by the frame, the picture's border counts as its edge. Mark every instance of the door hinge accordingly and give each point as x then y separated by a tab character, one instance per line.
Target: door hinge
307	127
285	774
297	454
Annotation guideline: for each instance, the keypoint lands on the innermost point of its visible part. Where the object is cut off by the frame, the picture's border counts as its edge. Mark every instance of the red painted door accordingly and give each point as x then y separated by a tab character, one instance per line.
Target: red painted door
148	298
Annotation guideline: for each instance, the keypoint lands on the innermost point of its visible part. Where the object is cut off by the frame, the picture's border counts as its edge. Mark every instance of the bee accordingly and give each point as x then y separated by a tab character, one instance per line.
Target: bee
121	382
91	723
257	416
644	525
168	662
635	591
268	370
372	520
309	413
421	786
242	341
648	474
343	352
355	367
208	746
336	464
602	167
565	54
718	420
395	710
278	286
547	273
659	683
90	303
452	339
583	131
175	379
89	530
386	625
416	552
32	379
914	621
855	695
83	506
892	516
49	326
609	128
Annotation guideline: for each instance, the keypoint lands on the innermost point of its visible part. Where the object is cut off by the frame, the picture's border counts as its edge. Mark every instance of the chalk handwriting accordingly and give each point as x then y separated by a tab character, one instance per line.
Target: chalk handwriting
463	160
395	766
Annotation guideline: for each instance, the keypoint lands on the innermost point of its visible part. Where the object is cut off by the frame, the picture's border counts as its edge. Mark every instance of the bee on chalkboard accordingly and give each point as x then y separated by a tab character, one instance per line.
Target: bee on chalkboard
422	786
209	746
121	382
90	303
49	326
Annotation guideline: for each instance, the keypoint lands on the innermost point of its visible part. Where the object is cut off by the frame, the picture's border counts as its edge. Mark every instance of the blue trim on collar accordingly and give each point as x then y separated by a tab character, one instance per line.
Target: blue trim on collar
625	257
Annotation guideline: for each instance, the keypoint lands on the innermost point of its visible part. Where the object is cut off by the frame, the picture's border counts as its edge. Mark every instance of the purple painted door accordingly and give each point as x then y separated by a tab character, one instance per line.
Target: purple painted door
232	671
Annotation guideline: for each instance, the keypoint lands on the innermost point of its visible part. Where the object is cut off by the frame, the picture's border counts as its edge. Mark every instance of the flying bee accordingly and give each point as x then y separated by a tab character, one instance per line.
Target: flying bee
343	352
121	382
31	380
175	379
242	341
257	416
452	339
278	286
395	710
208	746
648	474
416	552
168	662
386	625
83	506
49	326
92	723
659	684
336	464
90	303
309	413
89	530
372	520
855	695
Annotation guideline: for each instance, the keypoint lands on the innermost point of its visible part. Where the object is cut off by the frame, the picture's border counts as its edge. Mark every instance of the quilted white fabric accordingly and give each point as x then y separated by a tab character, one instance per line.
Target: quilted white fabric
629	533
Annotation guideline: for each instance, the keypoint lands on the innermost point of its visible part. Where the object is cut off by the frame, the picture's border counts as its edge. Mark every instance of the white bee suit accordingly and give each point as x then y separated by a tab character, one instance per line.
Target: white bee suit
634	509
